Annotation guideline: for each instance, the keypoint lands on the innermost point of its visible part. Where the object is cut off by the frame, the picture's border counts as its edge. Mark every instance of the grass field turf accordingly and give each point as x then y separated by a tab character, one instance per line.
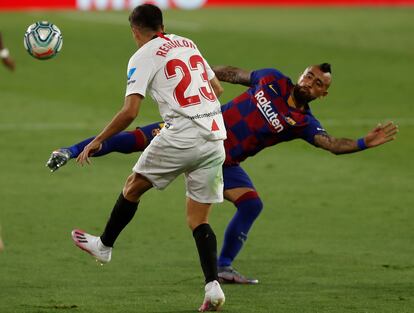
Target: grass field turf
336	233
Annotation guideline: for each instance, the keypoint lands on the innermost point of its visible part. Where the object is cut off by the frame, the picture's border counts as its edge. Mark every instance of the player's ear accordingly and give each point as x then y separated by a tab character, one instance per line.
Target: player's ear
136	32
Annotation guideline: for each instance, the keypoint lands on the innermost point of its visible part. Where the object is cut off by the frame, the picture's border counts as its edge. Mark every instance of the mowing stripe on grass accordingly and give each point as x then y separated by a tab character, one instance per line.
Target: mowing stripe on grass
369	122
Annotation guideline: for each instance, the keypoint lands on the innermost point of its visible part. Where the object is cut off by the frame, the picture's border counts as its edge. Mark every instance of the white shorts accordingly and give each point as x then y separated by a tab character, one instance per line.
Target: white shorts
200	160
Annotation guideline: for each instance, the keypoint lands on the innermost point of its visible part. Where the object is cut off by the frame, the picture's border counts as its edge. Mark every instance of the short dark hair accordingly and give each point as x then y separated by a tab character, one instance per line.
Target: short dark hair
325	67
147	16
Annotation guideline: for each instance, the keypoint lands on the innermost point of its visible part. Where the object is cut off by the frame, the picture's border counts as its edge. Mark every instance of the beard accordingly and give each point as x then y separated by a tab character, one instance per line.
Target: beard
302	94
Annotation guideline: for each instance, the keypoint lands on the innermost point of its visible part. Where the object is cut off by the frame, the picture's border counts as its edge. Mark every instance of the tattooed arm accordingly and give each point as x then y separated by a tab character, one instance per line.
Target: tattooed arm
336	145
232	75
378	136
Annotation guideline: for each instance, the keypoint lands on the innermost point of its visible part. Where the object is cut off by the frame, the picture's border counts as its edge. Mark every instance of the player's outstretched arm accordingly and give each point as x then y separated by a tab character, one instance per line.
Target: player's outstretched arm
233	75
378	136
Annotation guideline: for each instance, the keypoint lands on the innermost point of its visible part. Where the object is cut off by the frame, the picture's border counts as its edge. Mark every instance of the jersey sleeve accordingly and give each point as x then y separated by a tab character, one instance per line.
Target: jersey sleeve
140	73
257	76
313	128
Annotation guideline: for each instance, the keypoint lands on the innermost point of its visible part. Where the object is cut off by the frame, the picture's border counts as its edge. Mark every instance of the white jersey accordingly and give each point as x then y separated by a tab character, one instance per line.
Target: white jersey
175	74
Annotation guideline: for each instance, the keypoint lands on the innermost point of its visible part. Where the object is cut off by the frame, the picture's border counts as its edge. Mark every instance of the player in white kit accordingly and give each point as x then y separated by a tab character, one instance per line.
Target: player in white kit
171	69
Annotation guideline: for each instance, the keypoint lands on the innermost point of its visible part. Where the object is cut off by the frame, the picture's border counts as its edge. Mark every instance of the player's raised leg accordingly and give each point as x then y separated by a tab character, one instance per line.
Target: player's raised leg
124	142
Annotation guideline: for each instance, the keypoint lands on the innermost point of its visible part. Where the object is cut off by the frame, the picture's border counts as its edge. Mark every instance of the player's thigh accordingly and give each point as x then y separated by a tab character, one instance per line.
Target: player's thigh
236	182
161	162
204	182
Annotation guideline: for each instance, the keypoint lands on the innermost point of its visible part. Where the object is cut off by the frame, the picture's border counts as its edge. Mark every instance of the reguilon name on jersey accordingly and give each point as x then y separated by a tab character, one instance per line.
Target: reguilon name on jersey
263	104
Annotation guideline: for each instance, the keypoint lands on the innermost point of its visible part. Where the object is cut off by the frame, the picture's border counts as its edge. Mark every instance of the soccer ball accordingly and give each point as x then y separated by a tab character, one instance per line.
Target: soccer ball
43	40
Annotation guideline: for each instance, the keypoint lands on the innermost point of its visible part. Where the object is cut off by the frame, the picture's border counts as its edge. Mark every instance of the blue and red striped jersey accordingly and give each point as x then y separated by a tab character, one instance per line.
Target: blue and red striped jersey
261	117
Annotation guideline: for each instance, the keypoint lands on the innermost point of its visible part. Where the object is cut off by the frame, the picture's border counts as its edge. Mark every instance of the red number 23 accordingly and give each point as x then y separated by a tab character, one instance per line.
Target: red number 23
206	91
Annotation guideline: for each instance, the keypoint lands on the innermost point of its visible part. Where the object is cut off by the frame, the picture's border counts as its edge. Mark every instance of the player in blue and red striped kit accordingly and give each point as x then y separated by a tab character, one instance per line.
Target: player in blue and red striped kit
262	117
270	111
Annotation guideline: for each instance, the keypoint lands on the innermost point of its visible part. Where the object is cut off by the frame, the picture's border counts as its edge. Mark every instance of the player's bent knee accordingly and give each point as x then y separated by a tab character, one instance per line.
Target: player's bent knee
257	206
252	202
194	223
135	186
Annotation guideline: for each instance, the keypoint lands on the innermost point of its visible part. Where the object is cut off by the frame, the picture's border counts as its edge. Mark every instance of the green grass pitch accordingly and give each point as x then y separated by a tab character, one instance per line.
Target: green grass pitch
336	234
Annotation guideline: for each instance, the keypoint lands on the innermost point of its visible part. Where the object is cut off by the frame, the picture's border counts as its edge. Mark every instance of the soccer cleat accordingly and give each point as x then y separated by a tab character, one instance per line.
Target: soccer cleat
93	245
214	297
57	159
228	275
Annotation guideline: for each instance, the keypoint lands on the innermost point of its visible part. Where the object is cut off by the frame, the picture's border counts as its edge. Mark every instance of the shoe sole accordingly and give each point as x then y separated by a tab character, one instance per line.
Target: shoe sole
218	305
209	306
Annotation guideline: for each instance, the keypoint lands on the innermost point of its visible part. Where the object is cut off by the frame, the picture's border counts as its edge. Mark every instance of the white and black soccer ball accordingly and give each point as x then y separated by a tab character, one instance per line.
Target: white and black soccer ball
43	40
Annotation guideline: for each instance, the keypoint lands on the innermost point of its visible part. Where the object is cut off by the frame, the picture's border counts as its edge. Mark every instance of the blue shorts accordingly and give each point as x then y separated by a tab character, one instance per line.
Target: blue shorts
235	177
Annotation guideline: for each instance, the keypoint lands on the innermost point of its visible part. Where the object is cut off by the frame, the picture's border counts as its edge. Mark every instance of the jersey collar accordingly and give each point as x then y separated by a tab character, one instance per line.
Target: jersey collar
161	35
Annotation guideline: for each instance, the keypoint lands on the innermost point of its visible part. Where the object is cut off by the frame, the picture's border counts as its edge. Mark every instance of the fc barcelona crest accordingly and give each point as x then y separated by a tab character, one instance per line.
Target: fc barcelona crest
290	120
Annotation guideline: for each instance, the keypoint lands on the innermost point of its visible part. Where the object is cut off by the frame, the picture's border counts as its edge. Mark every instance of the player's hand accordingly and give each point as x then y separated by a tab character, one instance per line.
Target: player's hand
88	151
381	134
9	63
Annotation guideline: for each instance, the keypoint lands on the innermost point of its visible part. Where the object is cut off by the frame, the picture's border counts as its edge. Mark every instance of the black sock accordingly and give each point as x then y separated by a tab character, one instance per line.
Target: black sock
122	213
207	250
